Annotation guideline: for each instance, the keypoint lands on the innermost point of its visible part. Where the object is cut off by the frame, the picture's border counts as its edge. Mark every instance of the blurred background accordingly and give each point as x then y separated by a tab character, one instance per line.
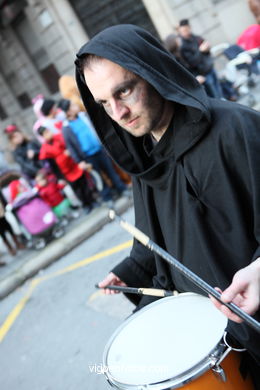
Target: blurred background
60	338
39	39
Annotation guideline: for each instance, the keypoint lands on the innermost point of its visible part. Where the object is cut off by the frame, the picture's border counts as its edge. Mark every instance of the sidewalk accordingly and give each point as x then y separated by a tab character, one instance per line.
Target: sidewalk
28	262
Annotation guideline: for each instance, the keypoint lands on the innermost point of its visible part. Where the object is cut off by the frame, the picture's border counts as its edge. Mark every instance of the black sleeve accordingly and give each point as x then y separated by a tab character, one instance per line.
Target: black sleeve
72	144
139	268
191	55
55	169
27	165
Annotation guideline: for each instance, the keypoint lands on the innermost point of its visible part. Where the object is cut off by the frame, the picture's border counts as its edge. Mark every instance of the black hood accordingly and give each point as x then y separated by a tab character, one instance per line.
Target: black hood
139	52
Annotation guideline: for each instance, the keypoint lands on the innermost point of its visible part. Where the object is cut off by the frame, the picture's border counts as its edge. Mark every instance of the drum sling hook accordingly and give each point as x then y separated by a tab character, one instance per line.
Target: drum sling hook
216	367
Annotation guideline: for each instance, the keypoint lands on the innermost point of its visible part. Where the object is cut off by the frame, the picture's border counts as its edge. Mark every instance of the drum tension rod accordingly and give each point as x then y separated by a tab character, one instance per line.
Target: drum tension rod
216	367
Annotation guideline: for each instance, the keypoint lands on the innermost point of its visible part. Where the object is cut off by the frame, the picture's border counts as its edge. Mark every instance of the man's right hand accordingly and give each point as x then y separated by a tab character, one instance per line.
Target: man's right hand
244	291
111	279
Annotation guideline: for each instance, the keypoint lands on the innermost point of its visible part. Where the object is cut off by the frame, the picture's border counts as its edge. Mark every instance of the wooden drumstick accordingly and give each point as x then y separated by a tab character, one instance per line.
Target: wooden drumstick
154	292
145	240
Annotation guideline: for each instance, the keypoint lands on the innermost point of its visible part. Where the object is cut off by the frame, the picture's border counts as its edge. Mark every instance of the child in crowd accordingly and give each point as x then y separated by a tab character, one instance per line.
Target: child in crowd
54	148
53	116
50	190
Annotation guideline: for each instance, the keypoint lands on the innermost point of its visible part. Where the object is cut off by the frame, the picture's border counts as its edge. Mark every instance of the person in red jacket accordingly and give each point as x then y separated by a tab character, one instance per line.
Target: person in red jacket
54	148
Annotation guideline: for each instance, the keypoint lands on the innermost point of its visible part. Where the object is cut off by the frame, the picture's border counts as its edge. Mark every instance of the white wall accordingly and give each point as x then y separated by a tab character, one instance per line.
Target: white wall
219	22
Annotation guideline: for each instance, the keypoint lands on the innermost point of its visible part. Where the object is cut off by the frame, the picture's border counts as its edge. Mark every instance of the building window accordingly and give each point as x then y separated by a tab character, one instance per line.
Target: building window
37	53
3	114
51	78
24	100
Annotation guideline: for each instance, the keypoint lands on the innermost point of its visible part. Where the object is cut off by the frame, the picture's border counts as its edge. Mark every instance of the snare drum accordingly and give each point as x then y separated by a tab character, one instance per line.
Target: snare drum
174	342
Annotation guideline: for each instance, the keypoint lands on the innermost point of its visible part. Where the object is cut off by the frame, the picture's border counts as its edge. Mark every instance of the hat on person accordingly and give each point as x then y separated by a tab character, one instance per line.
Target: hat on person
47	106
184	22
64	104
10	129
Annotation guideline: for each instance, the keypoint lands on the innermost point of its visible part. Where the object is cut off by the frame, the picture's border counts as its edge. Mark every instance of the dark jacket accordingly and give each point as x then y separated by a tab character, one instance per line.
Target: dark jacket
73	144
198	63
196	194
28	166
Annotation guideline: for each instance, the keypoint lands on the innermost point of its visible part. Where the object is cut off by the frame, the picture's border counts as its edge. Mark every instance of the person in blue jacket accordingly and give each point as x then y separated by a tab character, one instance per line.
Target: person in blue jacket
84	146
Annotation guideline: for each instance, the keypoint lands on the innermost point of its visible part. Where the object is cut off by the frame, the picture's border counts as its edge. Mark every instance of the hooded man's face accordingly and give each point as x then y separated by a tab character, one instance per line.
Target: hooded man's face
128	99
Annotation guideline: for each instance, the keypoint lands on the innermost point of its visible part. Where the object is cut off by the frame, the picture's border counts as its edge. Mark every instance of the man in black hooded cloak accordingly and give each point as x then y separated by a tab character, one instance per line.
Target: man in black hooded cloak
194	162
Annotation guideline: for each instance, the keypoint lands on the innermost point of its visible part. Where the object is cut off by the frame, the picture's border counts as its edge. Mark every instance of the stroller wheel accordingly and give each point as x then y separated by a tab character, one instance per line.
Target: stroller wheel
29	244
58	231
64	221
75	214
40	243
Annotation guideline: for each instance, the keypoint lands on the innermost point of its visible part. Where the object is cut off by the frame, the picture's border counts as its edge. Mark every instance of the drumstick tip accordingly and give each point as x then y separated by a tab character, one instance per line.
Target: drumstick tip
112	214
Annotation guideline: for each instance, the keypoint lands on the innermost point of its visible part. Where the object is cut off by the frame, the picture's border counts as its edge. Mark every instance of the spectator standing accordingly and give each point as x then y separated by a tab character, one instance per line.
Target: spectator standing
85	147
25	151
173	43
195	51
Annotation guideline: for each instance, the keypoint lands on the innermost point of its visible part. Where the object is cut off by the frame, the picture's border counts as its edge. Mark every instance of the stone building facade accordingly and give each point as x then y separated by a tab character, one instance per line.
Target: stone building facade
39	39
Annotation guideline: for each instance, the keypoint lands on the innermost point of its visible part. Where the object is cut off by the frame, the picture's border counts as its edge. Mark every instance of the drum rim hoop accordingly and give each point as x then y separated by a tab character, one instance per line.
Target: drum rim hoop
171	383
175	382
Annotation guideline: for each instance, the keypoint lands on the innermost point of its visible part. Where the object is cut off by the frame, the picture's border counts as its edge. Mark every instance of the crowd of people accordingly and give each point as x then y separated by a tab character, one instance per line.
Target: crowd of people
194	53
63	152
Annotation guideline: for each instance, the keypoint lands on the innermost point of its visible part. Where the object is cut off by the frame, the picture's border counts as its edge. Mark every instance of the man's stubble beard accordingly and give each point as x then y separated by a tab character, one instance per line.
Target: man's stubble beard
153	109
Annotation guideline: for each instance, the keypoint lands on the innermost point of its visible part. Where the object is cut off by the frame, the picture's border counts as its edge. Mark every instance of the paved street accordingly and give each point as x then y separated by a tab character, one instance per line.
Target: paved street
61	323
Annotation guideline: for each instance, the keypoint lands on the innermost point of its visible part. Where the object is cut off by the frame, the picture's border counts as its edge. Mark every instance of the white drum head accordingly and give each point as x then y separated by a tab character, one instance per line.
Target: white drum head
164	340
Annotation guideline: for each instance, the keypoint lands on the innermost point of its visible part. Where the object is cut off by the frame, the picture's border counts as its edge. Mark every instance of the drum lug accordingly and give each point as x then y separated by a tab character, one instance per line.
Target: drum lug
219	373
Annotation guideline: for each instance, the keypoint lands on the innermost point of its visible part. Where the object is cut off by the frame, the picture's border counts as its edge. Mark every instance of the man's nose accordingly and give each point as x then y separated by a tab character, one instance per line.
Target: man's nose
119	110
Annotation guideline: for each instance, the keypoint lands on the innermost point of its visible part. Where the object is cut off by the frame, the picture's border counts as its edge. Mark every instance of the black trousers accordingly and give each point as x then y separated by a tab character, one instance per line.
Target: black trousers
83	191
254	370
5	227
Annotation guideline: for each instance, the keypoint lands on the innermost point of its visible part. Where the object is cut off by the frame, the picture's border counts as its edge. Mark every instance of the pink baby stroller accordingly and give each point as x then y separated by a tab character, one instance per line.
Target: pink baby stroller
37	218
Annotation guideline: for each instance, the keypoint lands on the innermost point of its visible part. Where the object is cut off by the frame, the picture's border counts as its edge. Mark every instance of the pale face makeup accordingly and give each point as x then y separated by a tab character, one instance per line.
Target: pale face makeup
128	99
